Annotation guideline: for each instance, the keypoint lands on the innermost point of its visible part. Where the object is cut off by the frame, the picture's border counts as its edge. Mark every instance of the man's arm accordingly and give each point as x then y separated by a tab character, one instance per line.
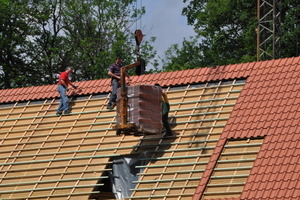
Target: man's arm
113	75
65	84
165	97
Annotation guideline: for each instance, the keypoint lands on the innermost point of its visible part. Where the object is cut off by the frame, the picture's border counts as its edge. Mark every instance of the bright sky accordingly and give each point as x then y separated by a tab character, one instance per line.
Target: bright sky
164	21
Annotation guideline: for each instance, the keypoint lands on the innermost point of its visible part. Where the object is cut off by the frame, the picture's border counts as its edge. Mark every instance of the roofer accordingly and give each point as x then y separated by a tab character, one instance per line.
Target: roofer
62	88
165	112
114	71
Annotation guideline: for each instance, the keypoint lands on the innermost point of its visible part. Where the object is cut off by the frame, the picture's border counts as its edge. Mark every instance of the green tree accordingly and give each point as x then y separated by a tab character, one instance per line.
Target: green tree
227	33
14	33
48	51
290	28
48	35
186	57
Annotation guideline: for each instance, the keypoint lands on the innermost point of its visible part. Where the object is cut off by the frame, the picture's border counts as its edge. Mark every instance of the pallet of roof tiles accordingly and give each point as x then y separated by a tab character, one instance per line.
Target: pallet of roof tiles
143	110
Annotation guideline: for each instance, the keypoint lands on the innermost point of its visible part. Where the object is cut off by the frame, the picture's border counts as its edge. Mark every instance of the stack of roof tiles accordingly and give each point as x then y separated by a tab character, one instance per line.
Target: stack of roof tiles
141	102
267	107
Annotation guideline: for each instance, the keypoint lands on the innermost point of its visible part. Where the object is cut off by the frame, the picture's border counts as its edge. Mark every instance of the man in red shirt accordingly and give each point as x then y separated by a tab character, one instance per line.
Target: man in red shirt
62	88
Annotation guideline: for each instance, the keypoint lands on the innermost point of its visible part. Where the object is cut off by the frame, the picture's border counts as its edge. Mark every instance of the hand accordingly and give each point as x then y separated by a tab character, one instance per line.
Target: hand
128	81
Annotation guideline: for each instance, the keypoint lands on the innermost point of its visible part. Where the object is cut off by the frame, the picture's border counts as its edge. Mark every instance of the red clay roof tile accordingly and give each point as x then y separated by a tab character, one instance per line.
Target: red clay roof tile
187	73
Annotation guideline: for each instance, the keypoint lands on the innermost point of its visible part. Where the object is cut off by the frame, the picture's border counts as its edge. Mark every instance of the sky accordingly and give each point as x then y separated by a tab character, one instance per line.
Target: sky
164	21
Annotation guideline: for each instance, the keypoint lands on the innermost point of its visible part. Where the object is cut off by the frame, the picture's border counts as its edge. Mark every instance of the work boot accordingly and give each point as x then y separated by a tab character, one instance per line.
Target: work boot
167	134
59	113
66	112
109	107
113	105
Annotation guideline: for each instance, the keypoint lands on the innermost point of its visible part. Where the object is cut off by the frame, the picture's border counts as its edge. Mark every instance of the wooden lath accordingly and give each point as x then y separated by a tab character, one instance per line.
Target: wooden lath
59	157
44	156
233	168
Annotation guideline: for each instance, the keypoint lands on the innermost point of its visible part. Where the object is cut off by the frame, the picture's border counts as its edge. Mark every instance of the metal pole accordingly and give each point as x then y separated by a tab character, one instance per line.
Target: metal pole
258	31
274	29
124	99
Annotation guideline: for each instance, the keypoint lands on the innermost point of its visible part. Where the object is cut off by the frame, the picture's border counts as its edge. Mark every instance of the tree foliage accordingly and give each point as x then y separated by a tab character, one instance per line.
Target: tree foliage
39	38
185	57
226	33
290	28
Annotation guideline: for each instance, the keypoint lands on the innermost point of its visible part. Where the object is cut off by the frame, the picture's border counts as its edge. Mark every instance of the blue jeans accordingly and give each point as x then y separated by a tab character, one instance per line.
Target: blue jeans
113	96
63	103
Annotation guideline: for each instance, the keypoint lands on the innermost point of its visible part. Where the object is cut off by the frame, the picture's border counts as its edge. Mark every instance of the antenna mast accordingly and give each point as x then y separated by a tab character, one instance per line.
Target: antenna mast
268	30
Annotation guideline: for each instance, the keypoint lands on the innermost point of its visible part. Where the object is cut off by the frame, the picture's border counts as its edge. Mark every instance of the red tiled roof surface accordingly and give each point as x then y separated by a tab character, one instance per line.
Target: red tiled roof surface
268	106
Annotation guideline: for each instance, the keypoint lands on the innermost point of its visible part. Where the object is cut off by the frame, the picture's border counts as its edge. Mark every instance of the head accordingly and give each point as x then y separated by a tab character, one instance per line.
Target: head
118	60
69	70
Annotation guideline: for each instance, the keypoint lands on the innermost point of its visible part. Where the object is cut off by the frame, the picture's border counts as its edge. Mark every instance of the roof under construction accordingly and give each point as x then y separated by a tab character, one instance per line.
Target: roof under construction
236	136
